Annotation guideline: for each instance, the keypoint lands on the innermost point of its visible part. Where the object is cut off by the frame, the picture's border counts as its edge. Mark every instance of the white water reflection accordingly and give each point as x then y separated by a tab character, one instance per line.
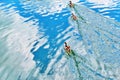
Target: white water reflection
104	2
20	39
16	41
53	6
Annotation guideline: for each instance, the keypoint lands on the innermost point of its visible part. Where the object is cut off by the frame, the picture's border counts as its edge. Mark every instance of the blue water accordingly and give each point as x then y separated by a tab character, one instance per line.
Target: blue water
33	33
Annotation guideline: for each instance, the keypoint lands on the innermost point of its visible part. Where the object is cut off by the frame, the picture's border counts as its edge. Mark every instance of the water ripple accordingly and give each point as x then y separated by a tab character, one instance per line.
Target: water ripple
32	37
16	56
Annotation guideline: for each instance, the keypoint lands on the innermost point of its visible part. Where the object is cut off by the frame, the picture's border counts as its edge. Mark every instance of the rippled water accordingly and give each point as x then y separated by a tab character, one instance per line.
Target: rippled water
32	33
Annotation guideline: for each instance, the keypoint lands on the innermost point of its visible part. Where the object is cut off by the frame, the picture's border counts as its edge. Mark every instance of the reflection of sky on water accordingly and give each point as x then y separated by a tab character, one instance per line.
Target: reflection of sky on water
104	2
43	49
108	8
16	46
33	34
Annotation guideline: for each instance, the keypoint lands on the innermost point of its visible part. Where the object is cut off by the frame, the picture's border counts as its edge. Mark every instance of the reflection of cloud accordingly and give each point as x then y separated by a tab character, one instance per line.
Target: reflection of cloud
104	2
57	5
16	43
46	7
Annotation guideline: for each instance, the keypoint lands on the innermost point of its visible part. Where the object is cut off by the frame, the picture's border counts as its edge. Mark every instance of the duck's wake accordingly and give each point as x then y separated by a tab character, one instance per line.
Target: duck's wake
101	37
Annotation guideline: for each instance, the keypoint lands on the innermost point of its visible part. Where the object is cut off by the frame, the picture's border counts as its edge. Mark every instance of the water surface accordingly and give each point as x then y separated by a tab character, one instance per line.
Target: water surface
32	34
